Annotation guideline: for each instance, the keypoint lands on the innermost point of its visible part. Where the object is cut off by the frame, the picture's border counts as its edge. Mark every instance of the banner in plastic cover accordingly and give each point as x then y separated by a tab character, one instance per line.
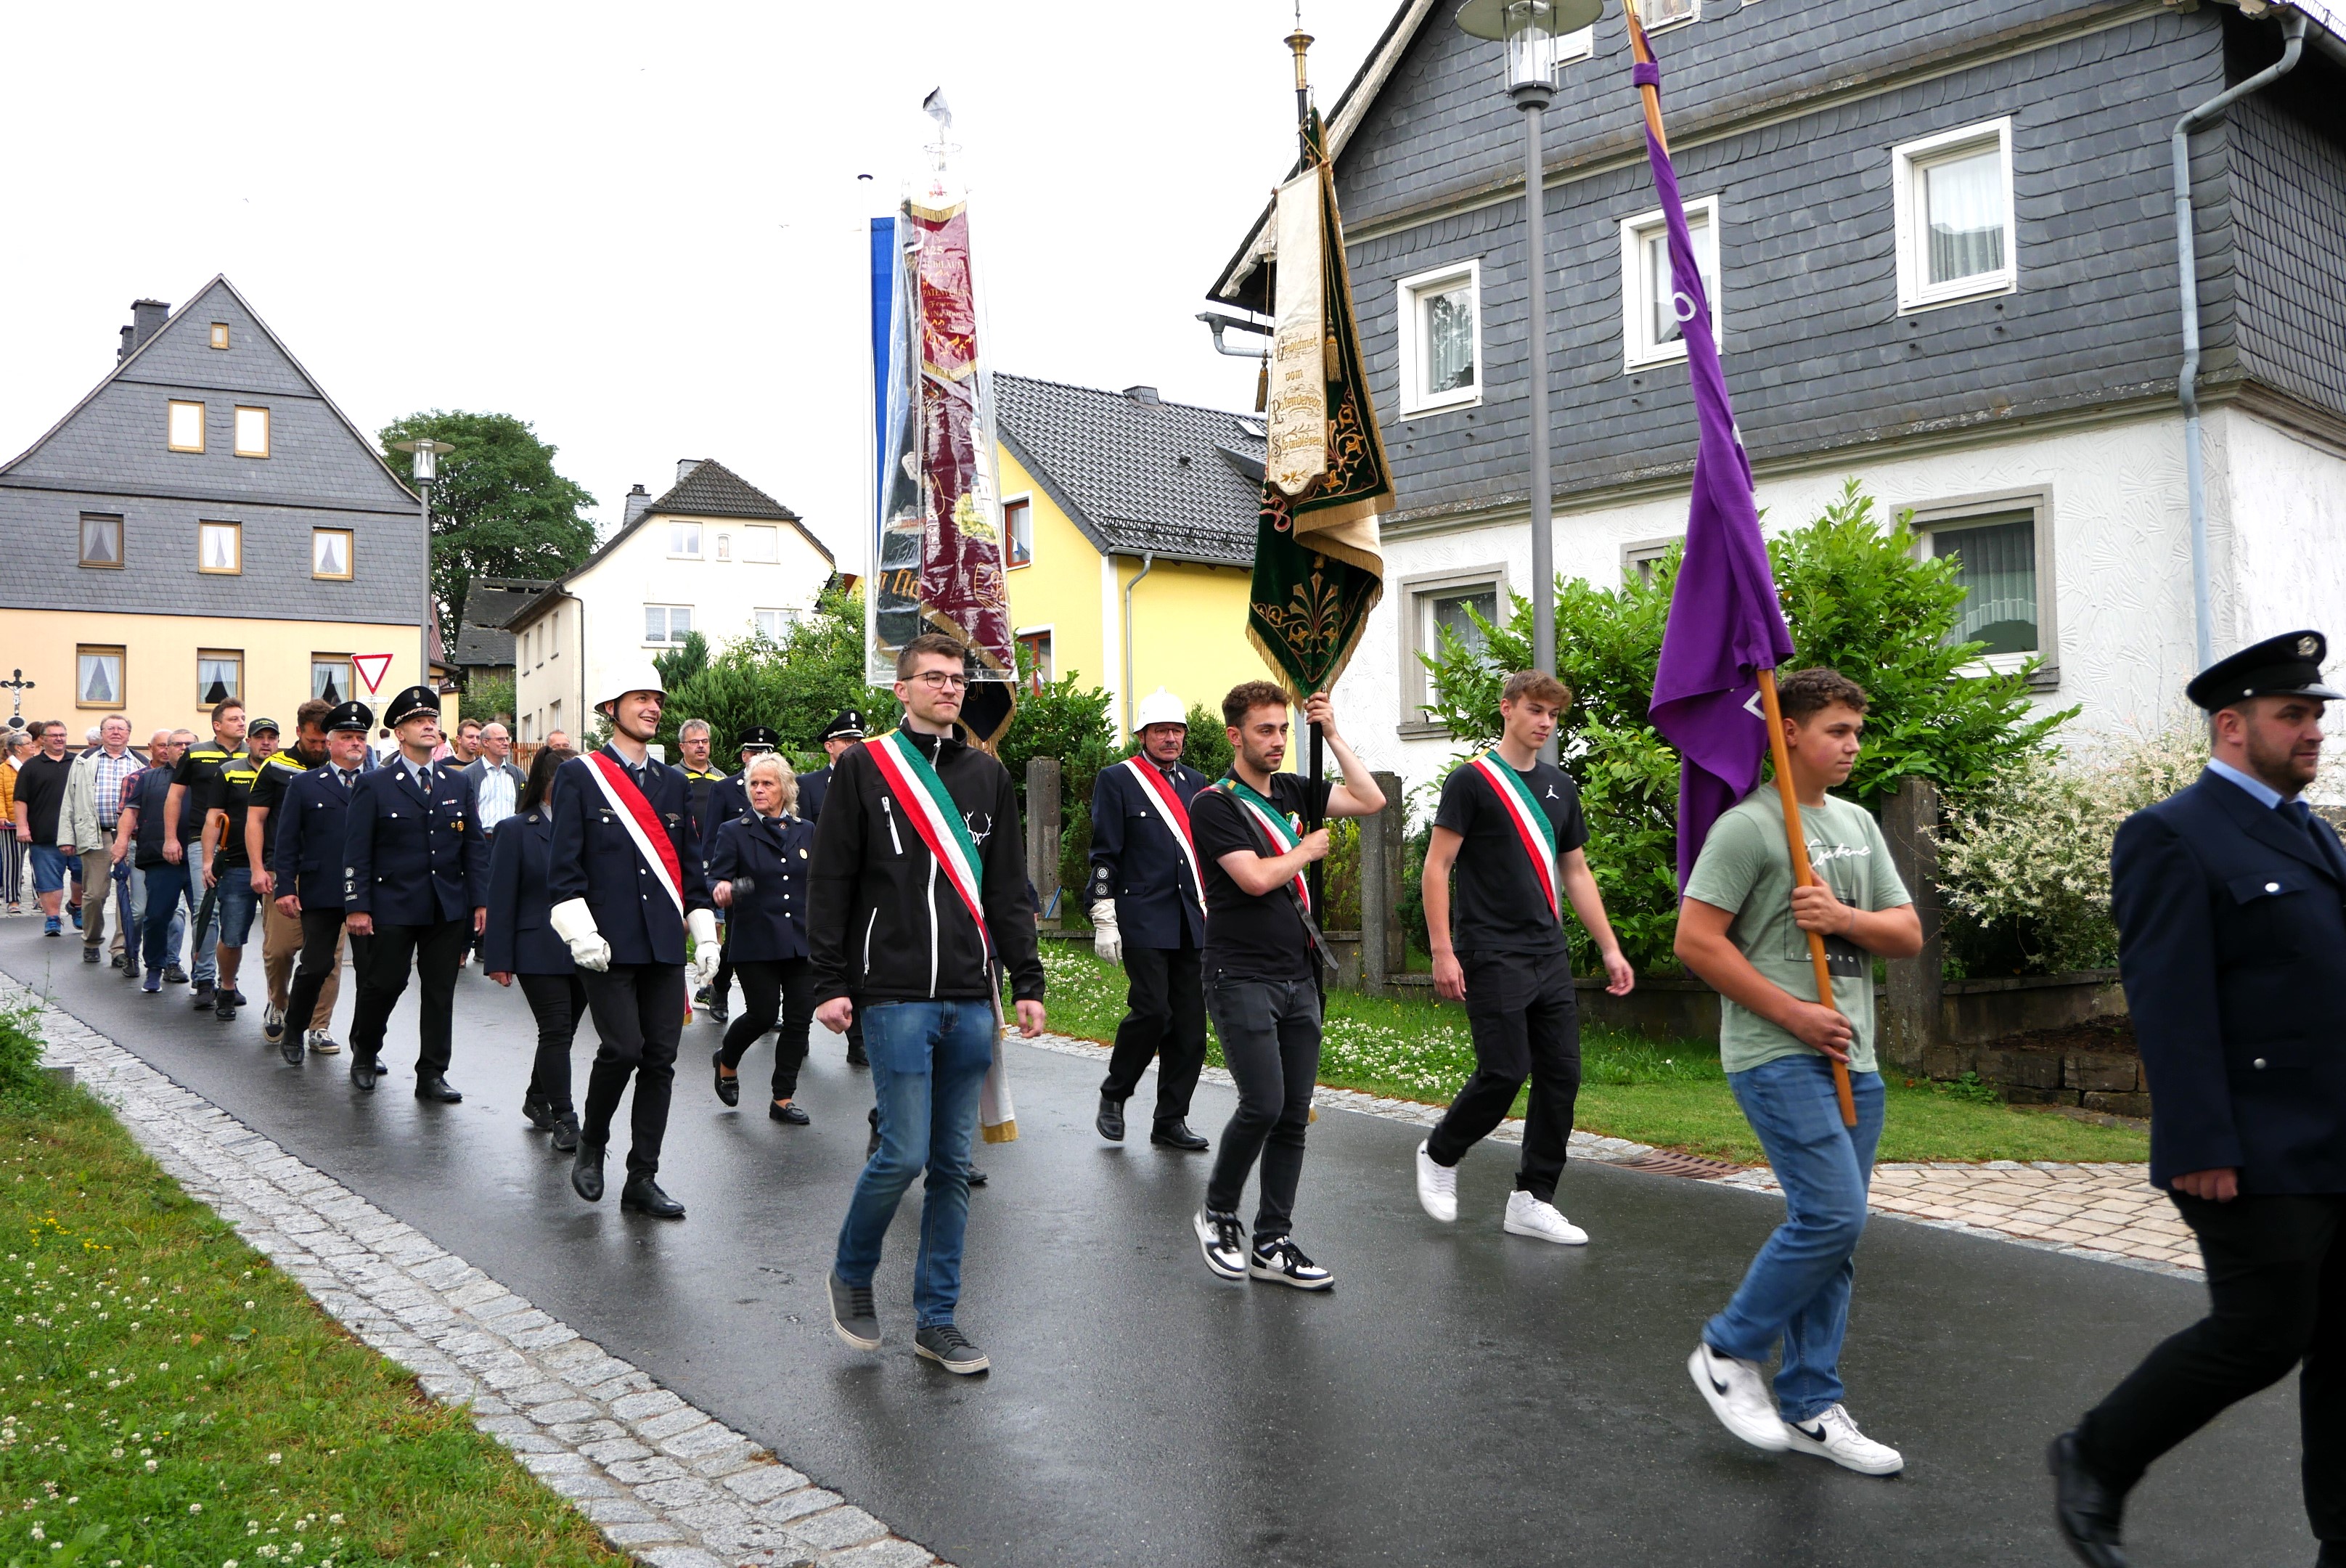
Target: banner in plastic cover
937	554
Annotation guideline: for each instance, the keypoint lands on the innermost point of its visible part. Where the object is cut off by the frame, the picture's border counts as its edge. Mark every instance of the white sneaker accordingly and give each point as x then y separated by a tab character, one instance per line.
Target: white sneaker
1527	1215
1834	1436
1437	1188
323	1043
1738	1395
1223	1242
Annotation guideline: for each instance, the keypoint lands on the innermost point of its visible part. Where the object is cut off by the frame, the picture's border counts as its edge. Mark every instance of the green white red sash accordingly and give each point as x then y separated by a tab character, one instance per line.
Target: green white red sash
1267	816
933	815
1531	824
1177	816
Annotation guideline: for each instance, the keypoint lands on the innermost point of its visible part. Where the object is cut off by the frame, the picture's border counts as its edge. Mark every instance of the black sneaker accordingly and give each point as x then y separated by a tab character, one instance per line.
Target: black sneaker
700	997
1223	1241
949	1348
539	1112
174	975
236	997
224	1006
1282	1262
853	1317
206	994
115	961
565	1134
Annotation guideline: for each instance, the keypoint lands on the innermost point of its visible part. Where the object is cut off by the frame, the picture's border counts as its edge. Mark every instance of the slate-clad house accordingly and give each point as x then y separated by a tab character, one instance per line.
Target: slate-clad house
206	523
484	649
1943	246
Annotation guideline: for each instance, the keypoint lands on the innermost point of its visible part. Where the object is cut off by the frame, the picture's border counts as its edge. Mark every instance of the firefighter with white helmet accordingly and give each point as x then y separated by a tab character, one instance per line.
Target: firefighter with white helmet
1148	910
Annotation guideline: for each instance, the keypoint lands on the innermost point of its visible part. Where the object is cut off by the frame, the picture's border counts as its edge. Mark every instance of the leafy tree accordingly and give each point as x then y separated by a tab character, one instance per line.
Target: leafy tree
490	698
794	686
681	663
499	509
1207	748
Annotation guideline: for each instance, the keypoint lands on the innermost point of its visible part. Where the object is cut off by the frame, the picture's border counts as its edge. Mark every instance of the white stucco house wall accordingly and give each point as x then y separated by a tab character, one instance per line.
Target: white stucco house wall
714	555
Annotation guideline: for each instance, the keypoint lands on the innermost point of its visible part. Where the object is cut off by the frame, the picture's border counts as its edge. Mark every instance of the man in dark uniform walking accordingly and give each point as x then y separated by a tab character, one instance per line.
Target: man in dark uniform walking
725	799
305	864
415	891
2230	901
1148	911
840	736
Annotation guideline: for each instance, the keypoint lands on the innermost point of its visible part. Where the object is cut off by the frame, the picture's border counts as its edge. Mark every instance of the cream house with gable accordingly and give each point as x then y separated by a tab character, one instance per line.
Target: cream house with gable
714	555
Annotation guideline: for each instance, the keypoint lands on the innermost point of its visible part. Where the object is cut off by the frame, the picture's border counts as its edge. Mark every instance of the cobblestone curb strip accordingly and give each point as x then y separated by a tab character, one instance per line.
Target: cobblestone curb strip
663	1481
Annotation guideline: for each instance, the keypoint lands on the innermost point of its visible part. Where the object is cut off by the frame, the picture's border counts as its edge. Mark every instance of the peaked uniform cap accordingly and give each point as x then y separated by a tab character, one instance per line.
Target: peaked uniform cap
847	726
350	716
2286	665
757	735
415	699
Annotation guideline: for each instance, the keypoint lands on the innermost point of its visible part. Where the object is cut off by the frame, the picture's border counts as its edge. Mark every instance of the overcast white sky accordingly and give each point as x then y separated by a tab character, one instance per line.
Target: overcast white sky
639	227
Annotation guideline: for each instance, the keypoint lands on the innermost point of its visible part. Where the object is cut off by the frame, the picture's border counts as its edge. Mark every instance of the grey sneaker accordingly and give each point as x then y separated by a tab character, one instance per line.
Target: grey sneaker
852	1316
323	1043
949	1348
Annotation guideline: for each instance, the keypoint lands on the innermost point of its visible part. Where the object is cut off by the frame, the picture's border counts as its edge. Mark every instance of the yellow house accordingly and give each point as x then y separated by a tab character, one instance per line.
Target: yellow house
1131	526
206	523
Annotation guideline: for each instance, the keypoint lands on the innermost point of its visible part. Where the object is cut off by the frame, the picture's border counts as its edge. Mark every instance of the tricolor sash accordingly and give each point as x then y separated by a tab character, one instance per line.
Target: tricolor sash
933	815
642	823
1267	817
1176	816
1532	827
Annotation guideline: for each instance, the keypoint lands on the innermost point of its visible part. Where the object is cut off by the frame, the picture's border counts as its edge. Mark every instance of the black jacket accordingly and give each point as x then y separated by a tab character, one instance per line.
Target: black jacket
767	924
306	854
592	856
412	860
1138	861
2231	942
884	923
812	787
518	940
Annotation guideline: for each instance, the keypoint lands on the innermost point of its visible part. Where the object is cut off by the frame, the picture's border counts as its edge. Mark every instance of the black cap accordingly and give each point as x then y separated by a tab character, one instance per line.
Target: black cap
258	725
351	715
2286	665
847	726
757	735
415	699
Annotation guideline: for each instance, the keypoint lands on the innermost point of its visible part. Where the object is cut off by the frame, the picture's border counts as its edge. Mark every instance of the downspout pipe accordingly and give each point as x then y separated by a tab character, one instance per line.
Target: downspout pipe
1147	564
2187	382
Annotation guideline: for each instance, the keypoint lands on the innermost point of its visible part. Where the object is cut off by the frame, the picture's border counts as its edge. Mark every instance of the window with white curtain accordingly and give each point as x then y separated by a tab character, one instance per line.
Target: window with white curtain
667	623
2001	549
1953	198
1652	310
1440	317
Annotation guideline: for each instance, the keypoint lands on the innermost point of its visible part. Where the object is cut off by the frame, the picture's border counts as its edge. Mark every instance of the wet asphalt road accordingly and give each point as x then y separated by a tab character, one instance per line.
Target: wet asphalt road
1462	1396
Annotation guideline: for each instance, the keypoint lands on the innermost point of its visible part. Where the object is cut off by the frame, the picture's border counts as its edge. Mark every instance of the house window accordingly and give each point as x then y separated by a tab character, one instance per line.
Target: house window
101	540
1439	314
1952	194
761	544
330	677
220	334
774	625
220	547
2002	547
554	716
219	677
724	547
98	677
1018	528
1640	560
329	553
1653	312
684	540
1035	652
667	623
252	432
1436	604
1657	15
184	430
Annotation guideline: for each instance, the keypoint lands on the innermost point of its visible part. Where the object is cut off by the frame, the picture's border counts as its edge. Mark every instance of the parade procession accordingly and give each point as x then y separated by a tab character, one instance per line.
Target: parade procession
1692	801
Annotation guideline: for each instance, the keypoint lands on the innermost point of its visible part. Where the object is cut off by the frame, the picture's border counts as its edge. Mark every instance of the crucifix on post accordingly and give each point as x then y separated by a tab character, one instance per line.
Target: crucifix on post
16	685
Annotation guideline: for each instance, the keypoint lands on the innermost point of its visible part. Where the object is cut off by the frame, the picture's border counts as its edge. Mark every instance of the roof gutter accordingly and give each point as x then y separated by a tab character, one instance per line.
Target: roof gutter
2187	382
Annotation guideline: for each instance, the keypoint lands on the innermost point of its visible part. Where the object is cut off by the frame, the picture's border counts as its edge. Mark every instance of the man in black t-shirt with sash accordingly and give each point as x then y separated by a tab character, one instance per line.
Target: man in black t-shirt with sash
1511	825
1262	984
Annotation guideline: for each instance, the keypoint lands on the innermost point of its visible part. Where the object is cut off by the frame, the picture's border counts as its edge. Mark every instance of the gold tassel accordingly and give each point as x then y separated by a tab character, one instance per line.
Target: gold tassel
1007	1133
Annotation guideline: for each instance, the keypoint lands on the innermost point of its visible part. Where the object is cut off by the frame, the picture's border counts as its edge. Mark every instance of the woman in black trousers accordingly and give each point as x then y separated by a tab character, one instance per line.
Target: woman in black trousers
519	942
758	875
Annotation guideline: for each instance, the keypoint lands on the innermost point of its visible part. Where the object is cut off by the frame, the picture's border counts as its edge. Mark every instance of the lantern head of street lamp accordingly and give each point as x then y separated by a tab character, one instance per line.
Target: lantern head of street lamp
427	456
1532	30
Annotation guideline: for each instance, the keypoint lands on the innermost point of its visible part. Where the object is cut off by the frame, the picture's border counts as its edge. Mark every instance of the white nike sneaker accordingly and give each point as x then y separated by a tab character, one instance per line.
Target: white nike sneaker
1738	1395
1527	1215
1834	1436
1437	1188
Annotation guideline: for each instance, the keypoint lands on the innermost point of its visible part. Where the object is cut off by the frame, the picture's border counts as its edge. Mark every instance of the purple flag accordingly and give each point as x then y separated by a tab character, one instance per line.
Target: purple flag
1725	621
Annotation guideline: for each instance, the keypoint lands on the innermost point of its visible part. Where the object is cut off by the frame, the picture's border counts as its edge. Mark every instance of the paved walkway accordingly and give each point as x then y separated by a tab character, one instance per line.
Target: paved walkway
1462	1396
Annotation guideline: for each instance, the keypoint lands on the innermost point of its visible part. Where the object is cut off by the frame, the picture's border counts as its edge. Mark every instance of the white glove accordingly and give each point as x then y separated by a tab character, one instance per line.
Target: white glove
1106	940
706	954
573	922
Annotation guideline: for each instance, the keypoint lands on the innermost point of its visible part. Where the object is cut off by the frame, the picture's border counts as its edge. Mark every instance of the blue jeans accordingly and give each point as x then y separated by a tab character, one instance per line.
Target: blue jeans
173	935
928	1059
166	884
1797	1288
236	905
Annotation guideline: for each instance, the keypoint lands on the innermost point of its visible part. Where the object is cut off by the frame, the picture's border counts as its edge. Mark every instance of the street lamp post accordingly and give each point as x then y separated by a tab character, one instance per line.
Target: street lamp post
1532	30
427	453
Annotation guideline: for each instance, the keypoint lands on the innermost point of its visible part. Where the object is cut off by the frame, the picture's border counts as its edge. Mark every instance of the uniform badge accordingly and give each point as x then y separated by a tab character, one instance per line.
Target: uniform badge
2307	648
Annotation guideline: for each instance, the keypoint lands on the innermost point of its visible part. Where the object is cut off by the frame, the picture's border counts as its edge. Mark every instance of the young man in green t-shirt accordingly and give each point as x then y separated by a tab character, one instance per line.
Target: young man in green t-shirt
1743	928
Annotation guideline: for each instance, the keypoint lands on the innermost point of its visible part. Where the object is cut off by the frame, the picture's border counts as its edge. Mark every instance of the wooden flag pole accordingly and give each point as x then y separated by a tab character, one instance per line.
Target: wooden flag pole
1795	841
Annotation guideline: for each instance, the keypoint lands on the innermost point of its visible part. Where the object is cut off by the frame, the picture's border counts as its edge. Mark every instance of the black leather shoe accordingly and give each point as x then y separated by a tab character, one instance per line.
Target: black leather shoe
1177	1136
224	1007
432	1087
539	1112
976	1176
717	1011
643	1196
587	1172
288	1045
2086	1509
790	1112
729	1086
565	1134
364	1071
1110	1120
855	1056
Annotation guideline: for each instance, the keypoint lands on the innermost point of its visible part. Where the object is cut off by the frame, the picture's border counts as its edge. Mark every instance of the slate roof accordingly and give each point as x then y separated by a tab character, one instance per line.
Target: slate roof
1136	476
489	603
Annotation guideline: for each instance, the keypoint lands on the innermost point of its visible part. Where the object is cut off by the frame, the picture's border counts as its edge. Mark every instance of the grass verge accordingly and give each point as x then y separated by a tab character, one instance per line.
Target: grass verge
1670	1093
172	1401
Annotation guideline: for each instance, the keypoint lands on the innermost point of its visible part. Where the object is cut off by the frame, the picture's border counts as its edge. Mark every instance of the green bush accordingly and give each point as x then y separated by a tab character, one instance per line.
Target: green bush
794	686
21	1079
490	699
